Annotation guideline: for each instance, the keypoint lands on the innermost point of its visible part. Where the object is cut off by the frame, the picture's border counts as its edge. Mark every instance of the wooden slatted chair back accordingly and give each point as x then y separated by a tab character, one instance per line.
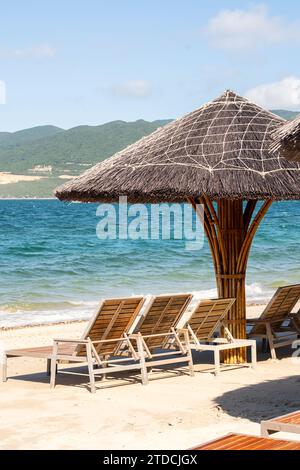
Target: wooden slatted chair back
207	316
163	313
279	307
114	318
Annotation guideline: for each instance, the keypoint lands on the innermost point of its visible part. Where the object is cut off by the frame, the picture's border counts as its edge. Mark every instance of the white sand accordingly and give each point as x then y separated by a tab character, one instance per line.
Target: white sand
8	178
172	412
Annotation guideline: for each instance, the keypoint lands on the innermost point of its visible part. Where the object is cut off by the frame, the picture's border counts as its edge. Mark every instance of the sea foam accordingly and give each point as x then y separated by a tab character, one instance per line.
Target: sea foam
12	316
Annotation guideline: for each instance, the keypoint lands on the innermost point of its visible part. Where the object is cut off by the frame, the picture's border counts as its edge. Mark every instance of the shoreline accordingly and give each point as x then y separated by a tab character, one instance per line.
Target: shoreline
39	325
253	309
28	198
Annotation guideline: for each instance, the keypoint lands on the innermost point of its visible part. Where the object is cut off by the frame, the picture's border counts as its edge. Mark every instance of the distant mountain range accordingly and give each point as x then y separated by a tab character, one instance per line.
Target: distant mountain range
54	153
67	150
289	115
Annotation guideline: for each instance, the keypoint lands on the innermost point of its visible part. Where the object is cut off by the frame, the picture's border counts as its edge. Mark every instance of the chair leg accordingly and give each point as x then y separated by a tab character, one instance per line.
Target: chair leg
253	355
271	342
217	361
4	368
142	360
191	365
189	353
53	372
264	430
53	365
90	367
105	364
48	372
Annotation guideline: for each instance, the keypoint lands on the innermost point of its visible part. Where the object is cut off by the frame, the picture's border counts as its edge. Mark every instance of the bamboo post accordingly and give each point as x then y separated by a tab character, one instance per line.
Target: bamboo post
230	229
231	282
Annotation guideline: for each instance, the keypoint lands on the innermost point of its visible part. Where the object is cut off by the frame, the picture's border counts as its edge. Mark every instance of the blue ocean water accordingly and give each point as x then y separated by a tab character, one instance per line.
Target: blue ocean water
54	268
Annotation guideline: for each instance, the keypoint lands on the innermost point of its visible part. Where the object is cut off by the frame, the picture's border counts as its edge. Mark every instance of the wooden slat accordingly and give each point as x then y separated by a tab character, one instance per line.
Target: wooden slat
207	315
113	324
291	418
41	352
279	307
163	313
244	442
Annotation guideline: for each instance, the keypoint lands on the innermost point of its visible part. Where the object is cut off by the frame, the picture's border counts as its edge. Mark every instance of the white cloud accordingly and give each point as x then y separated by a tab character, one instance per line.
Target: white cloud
282	94
237	30
133	88
38	51
2	92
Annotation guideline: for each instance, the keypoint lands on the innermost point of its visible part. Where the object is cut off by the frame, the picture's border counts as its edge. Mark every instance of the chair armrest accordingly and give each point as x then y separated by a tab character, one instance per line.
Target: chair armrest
76	341
155	335
100	341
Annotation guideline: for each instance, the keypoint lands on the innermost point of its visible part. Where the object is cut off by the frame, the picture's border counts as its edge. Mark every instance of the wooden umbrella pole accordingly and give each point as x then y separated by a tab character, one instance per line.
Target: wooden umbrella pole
231	283
230	233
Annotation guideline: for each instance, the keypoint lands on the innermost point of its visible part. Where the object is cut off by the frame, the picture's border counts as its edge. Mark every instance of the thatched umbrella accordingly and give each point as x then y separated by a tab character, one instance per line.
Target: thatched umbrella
218	156
286	140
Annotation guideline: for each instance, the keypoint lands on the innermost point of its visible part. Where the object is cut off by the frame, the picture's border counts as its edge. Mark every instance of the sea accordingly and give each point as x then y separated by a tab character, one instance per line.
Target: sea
54	267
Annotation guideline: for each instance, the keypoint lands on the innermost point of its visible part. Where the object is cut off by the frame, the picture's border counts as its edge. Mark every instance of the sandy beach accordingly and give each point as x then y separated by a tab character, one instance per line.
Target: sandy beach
149	229
174	411
8	178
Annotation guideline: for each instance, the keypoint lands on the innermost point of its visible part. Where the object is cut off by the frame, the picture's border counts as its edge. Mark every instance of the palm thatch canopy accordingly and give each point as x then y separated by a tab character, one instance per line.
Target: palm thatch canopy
286	140
220	150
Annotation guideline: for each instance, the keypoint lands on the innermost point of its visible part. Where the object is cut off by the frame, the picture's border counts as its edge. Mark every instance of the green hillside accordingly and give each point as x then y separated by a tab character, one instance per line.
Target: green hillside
67	152
12	139
3	136
70	151
289	115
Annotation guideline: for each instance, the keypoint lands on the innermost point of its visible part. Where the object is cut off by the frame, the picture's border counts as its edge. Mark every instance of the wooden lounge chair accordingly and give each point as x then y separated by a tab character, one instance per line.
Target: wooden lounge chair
270	326
244	442
110	324
113	353
207	317
160	343
286	423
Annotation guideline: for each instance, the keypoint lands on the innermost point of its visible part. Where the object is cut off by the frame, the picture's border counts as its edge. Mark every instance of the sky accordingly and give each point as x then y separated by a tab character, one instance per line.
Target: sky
69	63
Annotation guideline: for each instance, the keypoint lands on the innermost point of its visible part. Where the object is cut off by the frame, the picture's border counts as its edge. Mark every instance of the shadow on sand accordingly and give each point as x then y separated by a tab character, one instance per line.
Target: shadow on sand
254	402
78	377
263	400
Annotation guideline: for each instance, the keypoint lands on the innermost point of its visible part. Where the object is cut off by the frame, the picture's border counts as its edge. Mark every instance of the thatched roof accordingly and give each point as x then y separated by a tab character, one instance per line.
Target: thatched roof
220	150
287	140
